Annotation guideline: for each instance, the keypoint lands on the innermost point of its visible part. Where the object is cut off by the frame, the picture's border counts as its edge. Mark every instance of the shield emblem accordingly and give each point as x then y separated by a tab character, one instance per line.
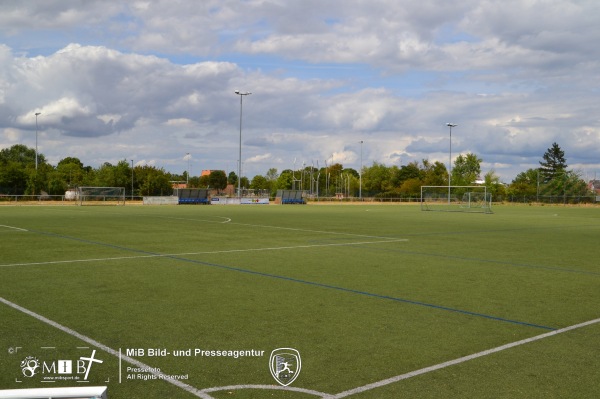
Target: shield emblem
285	365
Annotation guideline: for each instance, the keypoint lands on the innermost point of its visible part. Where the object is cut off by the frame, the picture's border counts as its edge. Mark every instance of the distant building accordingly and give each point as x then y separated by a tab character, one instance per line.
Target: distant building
207	172
594	185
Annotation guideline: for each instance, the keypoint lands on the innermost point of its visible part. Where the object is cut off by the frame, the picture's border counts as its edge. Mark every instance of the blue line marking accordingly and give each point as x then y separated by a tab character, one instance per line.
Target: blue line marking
491	261
295	280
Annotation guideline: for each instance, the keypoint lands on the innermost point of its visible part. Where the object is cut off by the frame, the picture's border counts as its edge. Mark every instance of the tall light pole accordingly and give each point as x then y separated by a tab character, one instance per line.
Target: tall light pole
360	173
450	125
36	140
187	182
131	179
241	94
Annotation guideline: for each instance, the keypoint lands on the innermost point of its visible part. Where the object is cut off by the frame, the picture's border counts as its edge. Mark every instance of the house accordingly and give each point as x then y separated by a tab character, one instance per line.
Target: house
594	185
177	185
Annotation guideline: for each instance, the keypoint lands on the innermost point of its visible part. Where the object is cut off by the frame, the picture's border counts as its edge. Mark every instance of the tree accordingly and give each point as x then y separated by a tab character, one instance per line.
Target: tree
217	179
71	171
13	178
411	187
525	184
272	175
409	171
232	178
466	169
194	182
554	162
376	179
495	187
259	183
17	170
565	184
152	181
436	174
21	154
284	181
204	181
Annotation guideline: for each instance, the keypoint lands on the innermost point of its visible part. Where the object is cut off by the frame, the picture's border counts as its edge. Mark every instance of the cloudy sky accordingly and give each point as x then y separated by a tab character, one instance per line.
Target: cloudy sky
151	81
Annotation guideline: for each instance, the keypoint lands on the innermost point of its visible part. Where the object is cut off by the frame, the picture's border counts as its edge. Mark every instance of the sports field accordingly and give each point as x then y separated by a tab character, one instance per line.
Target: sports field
379	301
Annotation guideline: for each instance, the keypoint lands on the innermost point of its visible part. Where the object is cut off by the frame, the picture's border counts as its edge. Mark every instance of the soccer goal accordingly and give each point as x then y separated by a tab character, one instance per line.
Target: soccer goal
101	196
456	199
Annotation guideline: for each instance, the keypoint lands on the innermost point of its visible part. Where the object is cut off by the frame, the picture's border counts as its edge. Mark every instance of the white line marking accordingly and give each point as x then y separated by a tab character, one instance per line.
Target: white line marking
323	395
227	220
312	231
202	253
203	393
13	228
177	383
278	227
460	360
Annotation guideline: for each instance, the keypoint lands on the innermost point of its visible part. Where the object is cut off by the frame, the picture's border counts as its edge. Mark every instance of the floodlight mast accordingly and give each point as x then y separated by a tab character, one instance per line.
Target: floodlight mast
36	140
360	173
241	94
450	125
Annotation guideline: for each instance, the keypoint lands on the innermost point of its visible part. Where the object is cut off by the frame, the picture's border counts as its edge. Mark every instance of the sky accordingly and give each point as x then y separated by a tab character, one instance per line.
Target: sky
347	81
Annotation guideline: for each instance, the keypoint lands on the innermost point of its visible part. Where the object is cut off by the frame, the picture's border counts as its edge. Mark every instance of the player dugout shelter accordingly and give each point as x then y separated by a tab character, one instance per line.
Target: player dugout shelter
192	195
290	197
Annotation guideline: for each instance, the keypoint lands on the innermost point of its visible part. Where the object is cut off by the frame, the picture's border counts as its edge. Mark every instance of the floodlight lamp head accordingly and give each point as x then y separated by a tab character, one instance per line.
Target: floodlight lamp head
237	92
38	113
451	124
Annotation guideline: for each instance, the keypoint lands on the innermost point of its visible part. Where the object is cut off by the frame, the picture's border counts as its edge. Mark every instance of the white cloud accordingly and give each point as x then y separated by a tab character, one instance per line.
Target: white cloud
157	78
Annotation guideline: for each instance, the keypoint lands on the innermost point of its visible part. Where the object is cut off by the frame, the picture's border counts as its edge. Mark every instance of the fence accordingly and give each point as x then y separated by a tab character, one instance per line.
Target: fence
45	199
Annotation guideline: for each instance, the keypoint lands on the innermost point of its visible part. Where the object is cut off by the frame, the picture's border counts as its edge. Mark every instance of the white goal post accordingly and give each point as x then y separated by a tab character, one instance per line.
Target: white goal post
456	199
100	196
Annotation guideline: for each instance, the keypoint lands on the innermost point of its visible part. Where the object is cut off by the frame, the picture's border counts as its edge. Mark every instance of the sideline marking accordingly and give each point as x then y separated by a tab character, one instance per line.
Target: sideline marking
202	393
53	262
461	360
13	228
300	281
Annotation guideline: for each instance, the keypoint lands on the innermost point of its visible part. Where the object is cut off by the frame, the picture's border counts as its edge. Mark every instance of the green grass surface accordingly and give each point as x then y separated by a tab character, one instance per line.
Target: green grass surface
364	293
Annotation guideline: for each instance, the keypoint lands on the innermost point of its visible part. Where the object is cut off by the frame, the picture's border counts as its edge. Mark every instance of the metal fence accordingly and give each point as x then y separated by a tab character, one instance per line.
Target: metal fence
45	199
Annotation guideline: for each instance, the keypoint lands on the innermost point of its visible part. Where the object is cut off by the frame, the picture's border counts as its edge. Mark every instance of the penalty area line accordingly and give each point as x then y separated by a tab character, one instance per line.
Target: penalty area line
460	360
338	244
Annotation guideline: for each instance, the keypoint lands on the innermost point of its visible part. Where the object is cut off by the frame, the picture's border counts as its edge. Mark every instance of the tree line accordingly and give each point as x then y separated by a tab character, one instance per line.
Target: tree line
19	176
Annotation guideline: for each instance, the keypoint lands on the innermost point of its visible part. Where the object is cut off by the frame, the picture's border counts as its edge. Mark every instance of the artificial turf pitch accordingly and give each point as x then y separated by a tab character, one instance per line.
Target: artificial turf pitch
364	293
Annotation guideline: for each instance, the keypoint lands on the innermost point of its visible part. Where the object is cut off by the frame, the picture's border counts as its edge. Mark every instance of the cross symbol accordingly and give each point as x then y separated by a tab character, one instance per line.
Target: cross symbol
91	359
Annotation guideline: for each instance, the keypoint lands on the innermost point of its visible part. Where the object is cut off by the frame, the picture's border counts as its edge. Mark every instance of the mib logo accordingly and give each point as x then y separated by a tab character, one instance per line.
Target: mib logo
29	366
59	369
285	365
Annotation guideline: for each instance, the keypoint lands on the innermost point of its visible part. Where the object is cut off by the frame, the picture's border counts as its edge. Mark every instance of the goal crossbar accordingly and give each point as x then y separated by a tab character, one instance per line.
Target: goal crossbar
472	199
100	195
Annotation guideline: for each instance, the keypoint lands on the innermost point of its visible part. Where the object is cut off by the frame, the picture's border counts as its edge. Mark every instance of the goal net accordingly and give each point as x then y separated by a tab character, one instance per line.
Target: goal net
456	199
101	196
